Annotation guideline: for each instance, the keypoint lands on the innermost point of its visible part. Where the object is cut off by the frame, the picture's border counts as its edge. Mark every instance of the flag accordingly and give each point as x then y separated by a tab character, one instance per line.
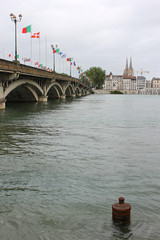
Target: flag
27	59
36	63
69	59
60	53
10	55
26	29
63	56
74	63
36	35
56	51
17	56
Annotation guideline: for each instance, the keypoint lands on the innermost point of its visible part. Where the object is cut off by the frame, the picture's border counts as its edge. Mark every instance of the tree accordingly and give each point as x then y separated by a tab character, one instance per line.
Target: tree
97	76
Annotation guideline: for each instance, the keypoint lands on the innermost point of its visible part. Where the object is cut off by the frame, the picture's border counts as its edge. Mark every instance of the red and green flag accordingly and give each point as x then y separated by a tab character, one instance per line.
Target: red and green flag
17	56
56	50
69	59
26	29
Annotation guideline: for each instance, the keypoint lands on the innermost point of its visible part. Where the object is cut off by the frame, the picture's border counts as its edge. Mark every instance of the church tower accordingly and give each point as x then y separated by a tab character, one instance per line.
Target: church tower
128	71
126	68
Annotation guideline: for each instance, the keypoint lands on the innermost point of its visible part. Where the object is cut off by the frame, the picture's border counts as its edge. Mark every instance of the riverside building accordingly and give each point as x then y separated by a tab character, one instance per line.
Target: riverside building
155	83
141	82
126	83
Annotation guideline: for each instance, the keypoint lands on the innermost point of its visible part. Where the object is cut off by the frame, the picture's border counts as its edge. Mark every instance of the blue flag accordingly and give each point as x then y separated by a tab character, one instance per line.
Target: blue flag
63	56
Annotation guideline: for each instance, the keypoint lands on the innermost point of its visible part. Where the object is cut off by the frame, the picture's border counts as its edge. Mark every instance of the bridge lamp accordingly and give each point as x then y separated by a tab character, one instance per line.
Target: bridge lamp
53	48
15	20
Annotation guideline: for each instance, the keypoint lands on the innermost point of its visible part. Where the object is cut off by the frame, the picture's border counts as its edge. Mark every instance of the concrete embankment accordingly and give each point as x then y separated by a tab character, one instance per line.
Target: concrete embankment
101	91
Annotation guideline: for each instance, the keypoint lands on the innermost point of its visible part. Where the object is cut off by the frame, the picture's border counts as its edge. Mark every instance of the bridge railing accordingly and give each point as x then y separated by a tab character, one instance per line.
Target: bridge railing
15	66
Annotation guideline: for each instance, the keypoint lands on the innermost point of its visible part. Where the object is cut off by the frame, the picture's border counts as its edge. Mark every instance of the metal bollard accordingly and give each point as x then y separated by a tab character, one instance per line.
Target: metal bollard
121	211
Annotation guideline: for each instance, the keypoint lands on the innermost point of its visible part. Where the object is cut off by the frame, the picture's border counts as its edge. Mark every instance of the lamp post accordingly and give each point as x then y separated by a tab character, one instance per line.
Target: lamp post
15	20
53	48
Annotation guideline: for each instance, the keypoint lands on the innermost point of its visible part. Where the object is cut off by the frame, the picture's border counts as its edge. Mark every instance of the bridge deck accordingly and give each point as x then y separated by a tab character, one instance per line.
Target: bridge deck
12	67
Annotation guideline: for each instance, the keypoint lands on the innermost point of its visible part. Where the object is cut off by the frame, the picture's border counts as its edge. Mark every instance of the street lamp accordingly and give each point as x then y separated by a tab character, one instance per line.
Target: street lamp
15	20
53	48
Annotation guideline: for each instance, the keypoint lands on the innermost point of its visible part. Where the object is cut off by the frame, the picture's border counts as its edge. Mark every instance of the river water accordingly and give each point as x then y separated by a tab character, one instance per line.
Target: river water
64	163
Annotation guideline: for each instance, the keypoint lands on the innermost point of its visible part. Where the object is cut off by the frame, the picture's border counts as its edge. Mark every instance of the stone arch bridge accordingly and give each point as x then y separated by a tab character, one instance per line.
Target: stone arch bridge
19	82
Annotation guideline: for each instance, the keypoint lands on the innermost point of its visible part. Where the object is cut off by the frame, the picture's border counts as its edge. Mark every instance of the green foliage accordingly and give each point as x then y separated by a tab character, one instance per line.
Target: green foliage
97	76
116	92
64	74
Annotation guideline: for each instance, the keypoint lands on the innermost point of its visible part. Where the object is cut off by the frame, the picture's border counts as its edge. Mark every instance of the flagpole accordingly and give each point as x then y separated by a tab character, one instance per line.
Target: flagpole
46	51
39	49
70	68
73	70
66	68
31	45
63	64
59	64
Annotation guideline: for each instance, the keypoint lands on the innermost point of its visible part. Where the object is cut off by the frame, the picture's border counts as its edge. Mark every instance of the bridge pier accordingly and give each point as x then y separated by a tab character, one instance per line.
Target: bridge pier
63	96
2	99
79	94
2	103
73	95
42	99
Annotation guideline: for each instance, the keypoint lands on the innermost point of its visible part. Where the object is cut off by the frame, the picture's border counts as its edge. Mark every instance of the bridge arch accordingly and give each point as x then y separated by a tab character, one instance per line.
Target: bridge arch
23	90
54	90
77	90
69	90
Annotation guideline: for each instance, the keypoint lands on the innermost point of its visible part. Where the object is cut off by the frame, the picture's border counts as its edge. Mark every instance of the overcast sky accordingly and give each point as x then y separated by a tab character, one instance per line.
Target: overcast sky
101	33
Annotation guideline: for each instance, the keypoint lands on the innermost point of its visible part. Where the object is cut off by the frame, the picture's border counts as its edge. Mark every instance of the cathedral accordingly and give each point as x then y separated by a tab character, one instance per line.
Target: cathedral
126	82
128	71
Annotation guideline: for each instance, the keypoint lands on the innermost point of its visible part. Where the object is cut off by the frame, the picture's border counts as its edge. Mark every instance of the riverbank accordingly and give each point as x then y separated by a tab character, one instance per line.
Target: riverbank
103	91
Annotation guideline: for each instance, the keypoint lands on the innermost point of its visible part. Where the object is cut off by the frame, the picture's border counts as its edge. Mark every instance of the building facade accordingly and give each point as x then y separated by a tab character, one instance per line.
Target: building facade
141	82
127	81
113	82
155	83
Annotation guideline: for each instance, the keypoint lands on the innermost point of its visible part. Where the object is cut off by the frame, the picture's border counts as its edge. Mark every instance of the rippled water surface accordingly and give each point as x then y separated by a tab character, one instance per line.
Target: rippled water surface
63	164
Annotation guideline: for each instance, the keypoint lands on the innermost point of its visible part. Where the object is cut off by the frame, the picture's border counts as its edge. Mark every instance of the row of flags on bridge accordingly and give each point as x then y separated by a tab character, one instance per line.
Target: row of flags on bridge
55	51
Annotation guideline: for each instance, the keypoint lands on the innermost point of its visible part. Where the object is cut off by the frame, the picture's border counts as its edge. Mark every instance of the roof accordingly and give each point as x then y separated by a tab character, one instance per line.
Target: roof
129	77
114	76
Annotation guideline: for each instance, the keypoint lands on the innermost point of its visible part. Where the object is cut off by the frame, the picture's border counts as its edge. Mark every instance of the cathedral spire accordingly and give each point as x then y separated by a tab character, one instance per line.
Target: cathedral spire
130	66
126	64
128	71
126	68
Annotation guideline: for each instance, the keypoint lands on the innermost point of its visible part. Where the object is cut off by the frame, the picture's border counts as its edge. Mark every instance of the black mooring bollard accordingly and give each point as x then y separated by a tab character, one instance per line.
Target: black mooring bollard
121	211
